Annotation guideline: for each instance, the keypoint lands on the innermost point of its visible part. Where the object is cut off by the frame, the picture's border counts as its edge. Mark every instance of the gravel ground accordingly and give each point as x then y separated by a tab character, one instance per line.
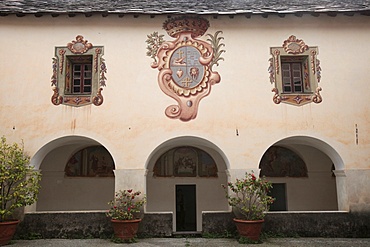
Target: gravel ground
196	242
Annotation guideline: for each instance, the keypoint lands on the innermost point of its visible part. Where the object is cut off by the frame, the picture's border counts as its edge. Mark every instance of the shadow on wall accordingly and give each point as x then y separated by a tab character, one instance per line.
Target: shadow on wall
87	183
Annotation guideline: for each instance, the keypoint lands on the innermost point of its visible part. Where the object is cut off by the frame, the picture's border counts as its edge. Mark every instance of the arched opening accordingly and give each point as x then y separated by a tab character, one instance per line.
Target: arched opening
184	177
77	175
303	175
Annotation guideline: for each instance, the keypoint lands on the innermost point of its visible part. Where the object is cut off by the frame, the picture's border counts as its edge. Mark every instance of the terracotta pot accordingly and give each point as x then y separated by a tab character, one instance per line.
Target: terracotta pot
7	230
249	228
125	229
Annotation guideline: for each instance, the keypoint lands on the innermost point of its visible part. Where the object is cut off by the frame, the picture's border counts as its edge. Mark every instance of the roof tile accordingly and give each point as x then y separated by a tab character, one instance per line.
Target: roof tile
182	6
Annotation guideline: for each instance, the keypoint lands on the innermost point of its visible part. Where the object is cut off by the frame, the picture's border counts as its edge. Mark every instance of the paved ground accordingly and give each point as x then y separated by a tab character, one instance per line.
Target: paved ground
196	242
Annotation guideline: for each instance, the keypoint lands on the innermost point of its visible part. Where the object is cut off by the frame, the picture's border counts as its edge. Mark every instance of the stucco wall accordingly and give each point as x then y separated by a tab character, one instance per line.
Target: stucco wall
317	191
61	193
131	122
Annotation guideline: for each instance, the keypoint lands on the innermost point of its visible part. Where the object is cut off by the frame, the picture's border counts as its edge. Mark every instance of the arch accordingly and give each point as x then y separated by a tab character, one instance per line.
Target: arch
81	141
67	193
162	191
317	143
186	141
319	190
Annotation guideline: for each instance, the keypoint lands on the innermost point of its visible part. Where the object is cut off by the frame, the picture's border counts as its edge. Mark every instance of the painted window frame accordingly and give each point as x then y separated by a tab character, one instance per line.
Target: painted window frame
61	80
296	49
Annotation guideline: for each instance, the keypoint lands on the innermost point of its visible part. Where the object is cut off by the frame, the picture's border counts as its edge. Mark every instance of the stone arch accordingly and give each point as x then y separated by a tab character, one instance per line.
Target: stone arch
322	189
62	193
82	141
317	143
187	141
161	191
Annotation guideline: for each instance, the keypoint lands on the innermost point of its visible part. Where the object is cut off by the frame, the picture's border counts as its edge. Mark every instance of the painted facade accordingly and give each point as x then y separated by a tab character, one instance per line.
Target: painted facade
235	124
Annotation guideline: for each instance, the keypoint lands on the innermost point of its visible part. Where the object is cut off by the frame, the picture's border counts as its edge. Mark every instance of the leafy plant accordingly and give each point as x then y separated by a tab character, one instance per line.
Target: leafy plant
250	197
225	234
123	241
19	182
125	205
245	240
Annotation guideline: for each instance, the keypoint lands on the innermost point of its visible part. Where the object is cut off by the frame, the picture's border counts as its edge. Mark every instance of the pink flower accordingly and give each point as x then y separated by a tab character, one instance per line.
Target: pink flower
129	191
253	177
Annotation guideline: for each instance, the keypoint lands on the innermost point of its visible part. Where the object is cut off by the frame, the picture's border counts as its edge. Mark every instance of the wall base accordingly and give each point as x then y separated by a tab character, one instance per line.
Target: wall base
96	225
86	225
319	224
291	224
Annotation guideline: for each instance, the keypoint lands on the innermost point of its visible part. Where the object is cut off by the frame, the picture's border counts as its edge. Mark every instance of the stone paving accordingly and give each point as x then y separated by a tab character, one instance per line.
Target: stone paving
196	242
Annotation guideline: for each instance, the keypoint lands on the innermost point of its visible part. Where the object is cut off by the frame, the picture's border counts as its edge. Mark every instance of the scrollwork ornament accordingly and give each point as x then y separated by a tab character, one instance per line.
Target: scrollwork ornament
61	64
103	71
276	59
313	64
317	98
294	46
271	71
318	70
97	53
173	111
277	97
54	76
98	99
79	46
56	99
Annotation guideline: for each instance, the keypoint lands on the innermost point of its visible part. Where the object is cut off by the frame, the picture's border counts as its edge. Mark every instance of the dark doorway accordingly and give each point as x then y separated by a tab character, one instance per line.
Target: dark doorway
186	213
278	192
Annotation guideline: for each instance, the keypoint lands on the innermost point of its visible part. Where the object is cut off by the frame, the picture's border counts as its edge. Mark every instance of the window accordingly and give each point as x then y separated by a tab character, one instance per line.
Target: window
78	74
295	72
94	161
185	162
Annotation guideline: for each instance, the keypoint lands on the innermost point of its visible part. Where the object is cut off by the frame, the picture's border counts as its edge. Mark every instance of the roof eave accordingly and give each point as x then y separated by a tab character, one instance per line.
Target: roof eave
281	13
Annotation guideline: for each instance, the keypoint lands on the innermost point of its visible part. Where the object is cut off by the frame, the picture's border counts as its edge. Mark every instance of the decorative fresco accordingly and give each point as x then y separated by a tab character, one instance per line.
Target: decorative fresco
282	162
295	72
90	162
185	162
79	74
185	64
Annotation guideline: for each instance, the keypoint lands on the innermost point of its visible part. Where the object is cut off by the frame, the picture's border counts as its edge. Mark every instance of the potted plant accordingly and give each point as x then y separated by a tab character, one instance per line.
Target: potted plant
250	202
19	186
124	213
